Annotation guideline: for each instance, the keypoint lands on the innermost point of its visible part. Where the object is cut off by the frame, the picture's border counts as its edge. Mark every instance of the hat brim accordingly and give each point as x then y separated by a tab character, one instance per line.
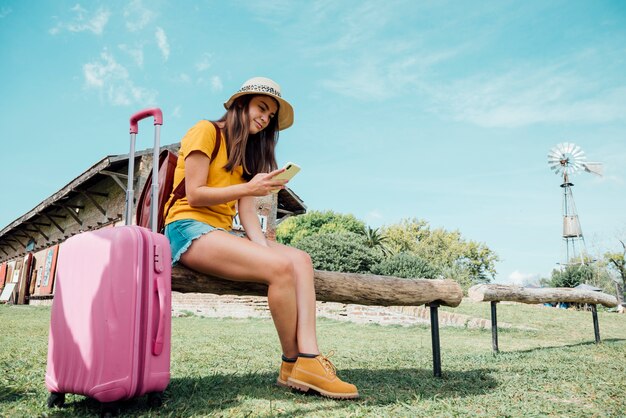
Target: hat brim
285	110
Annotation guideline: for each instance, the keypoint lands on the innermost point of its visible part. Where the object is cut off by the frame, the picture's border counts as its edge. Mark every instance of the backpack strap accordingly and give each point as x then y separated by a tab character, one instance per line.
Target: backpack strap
179	192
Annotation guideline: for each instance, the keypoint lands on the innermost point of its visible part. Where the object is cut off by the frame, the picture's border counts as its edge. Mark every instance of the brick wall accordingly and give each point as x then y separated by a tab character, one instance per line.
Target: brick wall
209	305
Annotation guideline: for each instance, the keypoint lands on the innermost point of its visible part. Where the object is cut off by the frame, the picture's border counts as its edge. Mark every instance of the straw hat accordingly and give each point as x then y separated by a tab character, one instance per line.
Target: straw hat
267	87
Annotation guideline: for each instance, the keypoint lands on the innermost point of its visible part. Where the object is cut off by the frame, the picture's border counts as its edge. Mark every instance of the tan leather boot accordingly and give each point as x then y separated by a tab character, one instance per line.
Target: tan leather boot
285	371
320	374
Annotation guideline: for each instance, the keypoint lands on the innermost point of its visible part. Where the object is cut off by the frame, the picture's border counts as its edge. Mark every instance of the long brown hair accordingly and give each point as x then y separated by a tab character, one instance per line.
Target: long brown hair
254	152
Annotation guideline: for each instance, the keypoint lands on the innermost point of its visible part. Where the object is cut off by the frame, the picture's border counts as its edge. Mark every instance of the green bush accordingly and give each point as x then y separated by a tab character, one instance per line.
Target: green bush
406	265
315	222
345	252
572	276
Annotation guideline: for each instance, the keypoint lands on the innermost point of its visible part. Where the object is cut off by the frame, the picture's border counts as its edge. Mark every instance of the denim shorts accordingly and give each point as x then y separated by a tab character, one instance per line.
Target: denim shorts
182	233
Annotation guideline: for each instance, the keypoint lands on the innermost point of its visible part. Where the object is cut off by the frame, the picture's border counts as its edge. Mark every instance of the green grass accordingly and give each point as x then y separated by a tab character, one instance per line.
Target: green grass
227	367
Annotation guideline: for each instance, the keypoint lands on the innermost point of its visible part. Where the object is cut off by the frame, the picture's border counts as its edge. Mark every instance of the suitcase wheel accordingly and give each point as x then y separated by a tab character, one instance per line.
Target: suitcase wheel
155	399
109	409
56	399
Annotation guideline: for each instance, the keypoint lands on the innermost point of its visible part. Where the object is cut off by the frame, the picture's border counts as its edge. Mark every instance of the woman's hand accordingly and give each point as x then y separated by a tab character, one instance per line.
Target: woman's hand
263	183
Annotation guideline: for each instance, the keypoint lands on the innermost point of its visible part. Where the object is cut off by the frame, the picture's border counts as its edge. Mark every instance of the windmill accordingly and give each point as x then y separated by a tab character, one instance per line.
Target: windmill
566	159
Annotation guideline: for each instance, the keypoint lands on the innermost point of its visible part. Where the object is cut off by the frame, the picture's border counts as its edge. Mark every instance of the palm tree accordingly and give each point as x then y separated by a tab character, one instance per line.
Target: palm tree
375	239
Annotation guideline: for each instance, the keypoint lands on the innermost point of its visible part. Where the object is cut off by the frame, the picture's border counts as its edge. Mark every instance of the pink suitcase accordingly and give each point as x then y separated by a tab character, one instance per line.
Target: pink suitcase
110	328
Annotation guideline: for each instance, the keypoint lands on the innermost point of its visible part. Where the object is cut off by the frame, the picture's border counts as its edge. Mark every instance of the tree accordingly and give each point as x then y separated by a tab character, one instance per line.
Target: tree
572	276
468	262
406	265
374	238
293	229
617	262
344	252
405	235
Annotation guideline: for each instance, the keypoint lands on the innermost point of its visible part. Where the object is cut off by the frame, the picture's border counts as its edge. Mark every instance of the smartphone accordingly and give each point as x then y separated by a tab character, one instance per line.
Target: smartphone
291	169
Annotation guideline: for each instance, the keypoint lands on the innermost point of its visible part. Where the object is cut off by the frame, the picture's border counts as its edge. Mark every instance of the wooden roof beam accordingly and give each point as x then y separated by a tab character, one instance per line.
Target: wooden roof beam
117	178
54	223
92	200
36	225
71	212
22	234
9	245
15	240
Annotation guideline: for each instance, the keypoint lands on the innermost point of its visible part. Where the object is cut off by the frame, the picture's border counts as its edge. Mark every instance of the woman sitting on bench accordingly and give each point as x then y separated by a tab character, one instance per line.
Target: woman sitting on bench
199	224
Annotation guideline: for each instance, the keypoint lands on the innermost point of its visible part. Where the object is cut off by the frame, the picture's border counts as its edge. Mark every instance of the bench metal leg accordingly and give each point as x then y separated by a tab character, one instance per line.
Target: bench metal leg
434	332
494	327
596	327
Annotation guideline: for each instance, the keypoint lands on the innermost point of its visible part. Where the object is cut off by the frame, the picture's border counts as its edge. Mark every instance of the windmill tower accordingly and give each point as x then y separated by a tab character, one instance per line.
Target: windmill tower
566	159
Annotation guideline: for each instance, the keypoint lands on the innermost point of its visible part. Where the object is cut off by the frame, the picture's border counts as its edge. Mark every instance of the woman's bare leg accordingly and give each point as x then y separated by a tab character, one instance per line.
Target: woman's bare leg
305	296
224	255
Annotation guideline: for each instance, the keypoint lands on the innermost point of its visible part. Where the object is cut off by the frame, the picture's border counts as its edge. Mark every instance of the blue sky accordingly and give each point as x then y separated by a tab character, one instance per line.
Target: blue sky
444	111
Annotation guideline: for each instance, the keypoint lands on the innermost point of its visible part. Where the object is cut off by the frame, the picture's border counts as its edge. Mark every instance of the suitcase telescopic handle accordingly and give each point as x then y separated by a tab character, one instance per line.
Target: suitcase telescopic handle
156	113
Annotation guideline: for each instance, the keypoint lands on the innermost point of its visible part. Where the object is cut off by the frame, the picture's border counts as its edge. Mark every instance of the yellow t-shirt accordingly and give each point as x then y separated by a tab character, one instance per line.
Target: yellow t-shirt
201	137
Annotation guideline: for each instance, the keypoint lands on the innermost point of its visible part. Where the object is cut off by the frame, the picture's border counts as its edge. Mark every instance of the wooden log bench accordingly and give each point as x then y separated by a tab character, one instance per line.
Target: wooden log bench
361	289
495	293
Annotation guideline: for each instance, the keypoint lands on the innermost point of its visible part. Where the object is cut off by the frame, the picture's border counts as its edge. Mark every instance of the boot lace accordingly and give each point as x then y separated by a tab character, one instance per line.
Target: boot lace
328	365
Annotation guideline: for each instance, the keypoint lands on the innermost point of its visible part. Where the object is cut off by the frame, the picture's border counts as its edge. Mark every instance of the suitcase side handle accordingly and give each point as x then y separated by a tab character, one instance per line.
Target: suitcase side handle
157	346
155	112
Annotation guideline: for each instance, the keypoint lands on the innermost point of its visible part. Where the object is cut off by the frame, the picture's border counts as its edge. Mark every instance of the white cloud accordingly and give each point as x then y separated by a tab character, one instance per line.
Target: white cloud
5	11
204	63
161	38
136	53
530	96
216	83
374	217
183	78
113	81
583	86
177	113
523	279
82	21
137	16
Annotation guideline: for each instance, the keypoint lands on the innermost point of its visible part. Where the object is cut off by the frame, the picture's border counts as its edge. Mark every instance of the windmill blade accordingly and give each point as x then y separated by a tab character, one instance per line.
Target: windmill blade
555	166
555	156
570	147
554	152
574	168
565	147
594	168
578	152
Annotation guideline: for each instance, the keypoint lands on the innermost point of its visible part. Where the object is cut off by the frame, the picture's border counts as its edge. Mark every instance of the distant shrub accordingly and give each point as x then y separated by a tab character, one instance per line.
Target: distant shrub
572	276
344	252
295	228
406	265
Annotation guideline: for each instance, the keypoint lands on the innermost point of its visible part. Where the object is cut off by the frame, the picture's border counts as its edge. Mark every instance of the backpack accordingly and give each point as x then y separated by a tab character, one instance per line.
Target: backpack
167	167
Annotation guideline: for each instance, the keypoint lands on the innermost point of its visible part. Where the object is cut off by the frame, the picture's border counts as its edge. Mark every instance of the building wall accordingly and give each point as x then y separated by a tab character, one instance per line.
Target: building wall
60	225
105	195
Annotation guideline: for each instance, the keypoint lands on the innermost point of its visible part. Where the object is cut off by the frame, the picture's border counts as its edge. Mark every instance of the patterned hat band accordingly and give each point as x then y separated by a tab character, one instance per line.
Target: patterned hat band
259	88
